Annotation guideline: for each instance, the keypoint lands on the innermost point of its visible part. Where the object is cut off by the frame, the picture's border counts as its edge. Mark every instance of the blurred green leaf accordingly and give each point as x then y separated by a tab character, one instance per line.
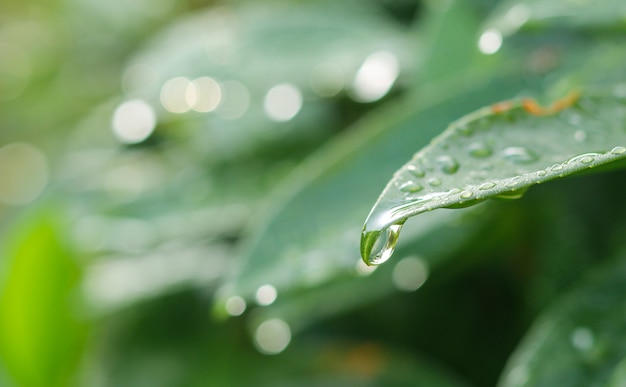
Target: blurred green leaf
169	342
512	15
313	48
41	336
578	341
448	31
498	151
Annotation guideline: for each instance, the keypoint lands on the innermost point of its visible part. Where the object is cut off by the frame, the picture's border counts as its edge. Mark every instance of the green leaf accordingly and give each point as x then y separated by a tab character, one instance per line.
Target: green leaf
40	335
579	340
498	151
515	14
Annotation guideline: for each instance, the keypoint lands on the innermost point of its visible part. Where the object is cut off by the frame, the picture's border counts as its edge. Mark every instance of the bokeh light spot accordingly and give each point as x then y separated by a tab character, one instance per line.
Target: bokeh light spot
375	77
235	306
23	173
272	336
175	96
283	102
409	274
133	121
266	295
204	94
490	41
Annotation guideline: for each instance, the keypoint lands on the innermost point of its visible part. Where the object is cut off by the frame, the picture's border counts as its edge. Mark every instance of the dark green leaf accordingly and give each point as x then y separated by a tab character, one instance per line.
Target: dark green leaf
579	340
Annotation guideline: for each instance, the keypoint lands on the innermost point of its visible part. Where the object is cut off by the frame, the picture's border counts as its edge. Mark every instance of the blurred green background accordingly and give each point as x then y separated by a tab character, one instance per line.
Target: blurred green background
183	185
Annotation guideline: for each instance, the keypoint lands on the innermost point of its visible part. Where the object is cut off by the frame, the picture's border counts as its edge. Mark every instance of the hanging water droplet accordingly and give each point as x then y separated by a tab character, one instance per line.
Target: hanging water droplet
410	187
519	155
377	246
514	194
618	150
487	185
434	182
447	164
415	170
479	150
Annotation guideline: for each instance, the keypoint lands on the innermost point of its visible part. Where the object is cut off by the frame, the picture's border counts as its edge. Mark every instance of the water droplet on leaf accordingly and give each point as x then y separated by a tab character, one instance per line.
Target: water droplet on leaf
410	187
466	194
447	164
487	185
434	182
465	130
415	170
580	136
480	150
618	150
519	155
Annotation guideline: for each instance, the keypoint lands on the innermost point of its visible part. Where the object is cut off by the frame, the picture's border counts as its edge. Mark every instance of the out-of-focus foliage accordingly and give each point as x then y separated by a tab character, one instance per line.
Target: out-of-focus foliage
183	185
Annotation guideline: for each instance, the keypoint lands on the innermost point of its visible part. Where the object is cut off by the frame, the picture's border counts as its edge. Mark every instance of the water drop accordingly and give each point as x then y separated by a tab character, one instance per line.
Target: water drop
466	194
479	150
487	185
618	150
377	246
465	130
447	164
434	182
519	155
542	172
415	170
587	160
580	136
575	119
410	187
556	167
